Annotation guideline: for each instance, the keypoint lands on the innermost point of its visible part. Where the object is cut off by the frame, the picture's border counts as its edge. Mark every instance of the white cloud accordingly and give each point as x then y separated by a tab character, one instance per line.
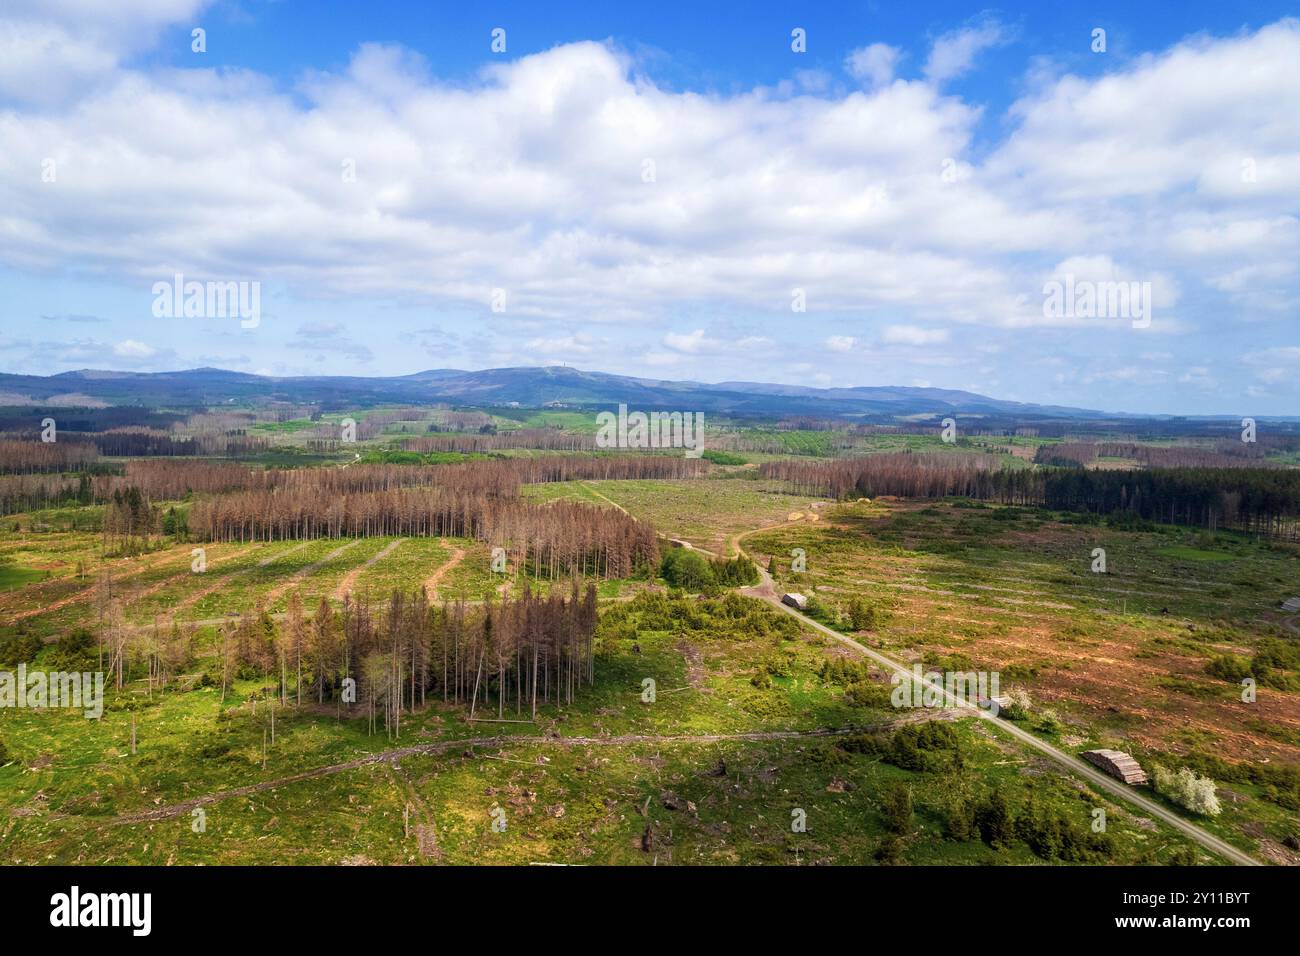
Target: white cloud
874	64
562	346
134	349
913	335
954	53
528	177
1198	375
841	343
536	185
691	342
49	49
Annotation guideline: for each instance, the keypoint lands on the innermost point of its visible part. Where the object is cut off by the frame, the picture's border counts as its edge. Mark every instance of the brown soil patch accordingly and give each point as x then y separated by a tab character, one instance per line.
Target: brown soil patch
433	580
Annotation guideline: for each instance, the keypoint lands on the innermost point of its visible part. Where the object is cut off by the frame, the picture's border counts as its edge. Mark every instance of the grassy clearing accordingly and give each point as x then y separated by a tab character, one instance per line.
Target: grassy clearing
705	512
1111	659
610	800
1183	552
13	576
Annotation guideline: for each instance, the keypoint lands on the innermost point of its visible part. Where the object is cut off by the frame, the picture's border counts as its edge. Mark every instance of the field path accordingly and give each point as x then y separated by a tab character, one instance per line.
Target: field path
350	579
606	498
433	580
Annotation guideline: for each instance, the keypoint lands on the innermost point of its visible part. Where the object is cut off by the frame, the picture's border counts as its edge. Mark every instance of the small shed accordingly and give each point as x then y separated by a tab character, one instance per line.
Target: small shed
1117	764
1291	604
795	600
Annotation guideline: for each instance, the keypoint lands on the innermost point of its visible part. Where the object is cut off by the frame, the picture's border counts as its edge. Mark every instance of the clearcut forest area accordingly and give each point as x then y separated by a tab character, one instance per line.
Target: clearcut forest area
437	632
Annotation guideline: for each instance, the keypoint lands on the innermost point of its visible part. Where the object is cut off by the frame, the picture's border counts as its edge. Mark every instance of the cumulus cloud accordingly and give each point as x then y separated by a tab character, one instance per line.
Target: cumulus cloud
134	349
535	185
691	342
913	335
378	180
954	53
874	64
51	48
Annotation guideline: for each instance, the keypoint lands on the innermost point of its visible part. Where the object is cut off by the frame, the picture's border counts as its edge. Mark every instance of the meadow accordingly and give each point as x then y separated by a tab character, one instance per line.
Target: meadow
1146	657
733	748
763	742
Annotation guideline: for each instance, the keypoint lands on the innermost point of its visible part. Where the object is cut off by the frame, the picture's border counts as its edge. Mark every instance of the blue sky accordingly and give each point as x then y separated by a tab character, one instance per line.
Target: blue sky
651	190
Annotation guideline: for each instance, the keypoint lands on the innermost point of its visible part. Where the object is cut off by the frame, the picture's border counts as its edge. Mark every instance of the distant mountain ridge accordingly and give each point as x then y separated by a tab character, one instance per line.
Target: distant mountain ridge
529	386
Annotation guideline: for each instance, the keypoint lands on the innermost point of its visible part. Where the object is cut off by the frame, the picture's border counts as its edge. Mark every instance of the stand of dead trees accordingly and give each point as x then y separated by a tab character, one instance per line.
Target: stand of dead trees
1222	454
503	658
26	457
501	478
1259	500
549	439
556	540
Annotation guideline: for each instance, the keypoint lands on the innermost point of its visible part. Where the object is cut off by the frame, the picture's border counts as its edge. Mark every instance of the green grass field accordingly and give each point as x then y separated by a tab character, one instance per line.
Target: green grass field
708	772
72	785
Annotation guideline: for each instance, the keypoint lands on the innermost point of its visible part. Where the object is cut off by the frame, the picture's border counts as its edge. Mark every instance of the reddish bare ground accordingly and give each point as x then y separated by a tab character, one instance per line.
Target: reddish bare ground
433	580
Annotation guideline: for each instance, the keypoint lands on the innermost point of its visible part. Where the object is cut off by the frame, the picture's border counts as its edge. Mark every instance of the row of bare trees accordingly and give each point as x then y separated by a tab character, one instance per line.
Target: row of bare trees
74	451
171	480
555	540
904	474
127	442
1220	455
29	492
547	439
21	457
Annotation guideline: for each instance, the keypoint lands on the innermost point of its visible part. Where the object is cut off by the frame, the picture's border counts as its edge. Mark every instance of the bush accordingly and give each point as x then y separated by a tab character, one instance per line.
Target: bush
19	649
1129	521
890	851
689	570
862	616
1229	667
931	746
1053	835
867	693
738	572
866	745
995	822
1279	782
821	612
1272	659
959	820
897	807
724	458
73	650
1189	790
4	753
842	670
1017	707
